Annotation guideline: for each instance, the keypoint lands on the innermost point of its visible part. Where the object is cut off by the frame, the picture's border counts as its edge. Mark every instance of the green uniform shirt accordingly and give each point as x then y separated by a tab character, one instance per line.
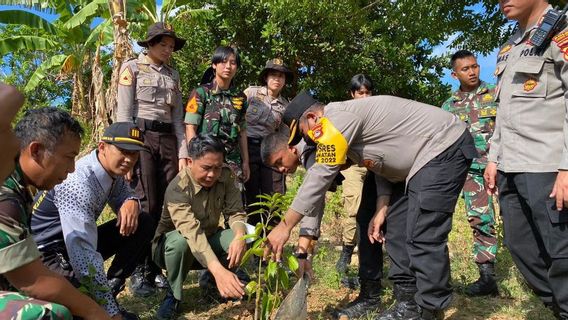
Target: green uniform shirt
478	109
195	211
17	247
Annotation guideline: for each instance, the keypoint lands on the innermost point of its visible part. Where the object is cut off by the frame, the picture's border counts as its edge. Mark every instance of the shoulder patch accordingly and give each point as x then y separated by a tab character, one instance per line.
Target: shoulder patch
126	77
331	144
191	106
561	41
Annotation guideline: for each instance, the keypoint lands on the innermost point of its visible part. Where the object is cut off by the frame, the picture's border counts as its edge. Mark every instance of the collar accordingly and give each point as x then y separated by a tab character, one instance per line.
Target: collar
520	35
17	183
143	59
460	95
104	179
280	99
214	89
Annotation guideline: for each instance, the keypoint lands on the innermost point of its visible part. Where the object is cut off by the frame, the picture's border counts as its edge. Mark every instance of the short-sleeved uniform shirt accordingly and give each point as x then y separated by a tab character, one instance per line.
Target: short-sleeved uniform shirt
195	211
17	247
478	109
221	113
264	114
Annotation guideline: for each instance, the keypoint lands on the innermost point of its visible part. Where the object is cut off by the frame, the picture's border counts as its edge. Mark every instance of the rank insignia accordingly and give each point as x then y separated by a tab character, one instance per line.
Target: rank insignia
126	77
135	133
487	98
237	103
146	81
191	106
505	49
529	85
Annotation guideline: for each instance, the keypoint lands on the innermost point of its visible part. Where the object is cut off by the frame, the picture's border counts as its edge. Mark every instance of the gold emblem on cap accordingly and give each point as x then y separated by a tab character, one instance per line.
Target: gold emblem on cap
135	133
278	61
168	26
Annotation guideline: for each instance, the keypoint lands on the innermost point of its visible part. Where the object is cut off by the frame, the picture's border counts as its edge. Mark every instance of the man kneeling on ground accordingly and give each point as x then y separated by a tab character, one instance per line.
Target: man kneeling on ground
188	235
64	221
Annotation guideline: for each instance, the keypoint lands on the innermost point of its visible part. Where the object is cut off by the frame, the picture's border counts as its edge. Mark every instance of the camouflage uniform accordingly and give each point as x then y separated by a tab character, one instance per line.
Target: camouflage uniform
17	249
479	110
221	113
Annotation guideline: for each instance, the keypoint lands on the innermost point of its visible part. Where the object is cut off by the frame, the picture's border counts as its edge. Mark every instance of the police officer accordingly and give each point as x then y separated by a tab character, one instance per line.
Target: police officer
149	95
264	116
474	103
528	159
433	165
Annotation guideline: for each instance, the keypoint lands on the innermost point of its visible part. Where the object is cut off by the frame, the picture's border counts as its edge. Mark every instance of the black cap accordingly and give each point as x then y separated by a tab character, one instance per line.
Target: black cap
124	135
292	115
278	65
162	29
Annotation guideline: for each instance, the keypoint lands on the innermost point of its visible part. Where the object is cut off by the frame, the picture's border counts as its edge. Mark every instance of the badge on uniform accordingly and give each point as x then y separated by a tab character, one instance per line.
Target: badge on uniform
331	144
191	106
561	41
487	98
126	77
237	103
529	85
505	49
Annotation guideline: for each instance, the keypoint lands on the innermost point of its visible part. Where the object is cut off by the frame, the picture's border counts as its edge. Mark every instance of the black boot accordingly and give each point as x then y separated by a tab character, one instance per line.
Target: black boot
432	314
369	300
345	259
405	308
485	285
169	307
139	284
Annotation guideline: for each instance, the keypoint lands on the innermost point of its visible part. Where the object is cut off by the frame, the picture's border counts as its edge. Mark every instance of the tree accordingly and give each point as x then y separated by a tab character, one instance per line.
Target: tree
326	42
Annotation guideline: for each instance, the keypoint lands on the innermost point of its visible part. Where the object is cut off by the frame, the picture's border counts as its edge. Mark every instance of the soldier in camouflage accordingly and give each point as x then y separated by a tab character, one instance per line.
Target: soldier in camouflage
218	107
49	139
474	102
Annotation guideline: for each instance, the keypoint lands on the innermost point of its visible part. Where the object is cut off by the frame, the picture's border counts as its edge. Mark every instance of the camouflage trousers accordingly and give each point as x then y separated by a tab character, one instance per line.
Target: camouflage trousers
481	216
14	306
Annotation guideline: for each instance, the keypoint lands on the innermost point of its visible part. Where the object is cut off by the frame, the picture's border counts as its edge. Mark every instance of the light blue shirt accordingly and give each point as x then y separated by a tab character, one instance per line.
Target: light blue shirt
80	200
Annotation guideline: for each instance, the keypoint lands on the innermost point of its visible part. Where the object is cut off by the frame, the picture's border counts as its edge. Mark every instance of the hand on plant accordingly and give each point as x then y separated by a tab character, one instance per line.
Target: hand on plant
127	218
374	231
275	242
228	284
237	249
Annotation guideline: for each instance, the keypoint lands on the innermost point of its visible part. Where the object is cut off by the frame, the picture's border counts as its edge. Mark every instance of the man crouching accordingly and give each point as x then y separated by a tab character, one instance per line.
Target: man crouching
188	235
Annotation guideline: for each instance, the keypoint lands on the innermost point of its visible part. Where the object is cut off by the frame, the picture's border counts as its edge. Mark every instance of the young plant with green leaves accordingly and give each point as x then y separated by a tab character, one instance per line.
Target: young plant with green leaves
272	280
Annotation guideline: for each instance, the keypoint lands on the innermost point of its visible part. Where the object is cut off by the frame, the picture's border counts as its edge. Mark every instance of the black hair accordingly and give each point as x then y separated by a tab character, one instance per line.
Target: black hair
205	143
46	125
273	143
460	55
221	54
361	80
155	40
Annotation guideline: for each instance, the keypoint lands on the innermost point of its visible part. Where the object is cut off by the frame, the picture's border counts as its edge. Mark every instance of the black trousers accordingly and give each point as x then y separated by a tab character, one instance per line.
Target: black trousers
419	221
126	250
536	234
370	255
263	180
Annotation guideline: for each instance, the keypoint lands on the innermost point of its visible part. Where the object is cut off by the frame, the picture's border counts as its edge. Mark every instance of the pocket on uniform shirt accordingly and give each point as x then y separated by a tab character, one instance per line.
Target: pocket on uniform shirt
255	113
529	81
147	90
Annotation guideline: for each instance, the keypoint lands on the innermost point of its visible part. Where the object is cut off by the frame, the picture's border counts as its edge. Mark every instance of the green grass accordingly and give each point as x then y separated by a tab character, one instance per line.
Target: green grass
514	302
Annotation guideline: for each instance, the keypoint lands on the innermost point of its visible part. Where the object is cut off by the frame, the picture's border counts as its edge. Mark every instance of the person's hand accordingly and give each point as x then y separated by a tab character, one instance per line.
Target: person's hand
246	172
237	249
228	283
182	164
374	231
127	218
560	190
275	242
490	178
305	267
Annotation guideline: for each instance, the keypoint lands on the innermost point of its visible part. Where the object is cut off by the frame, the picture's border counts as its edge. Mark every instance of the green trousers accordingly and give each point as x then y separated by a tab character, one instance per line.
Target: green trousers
173	254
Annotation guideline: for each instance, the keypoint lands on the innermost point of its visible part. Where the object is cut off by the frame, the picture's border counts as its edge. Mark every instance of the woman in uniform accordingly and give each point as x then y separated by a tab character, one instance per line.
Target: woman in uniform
219	108
149	95
264	116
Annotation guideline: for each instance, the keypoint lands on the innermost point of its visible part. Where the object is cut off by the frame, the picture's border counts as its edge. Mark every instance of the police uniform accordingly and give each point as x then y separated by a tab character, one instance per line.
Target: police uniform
399	140
529	147
17	249
478	109
188	235
264	116
222	114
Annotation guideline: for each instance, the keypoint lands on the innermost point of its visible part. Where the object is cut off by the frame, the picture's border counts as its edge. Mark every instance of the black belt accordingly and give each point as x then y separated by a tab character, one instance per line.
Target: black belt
254	140
154	125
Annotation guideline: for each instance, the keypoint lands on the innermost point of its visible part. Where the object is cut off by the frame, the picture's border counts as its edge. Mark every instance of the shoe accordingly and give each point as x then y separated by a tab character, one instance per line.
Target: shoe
368	301
486	284
350	282
116	286
344	259
139	284
161	281
406	307
169	307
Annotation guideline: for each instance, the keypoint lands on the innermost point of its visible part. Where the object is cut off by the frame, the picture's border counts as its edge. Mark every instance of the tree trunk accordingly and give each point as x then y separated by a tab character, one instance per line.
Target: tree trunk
98	101
79	108
122	52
